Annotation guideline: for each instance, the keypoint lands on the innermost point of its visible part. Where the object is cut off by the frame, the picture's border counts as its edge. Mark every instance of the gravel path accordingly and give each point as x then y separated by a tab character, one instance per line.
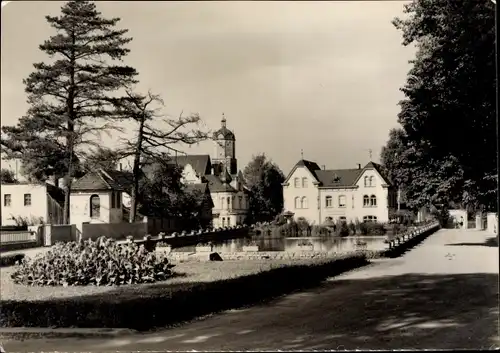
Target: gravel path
443	295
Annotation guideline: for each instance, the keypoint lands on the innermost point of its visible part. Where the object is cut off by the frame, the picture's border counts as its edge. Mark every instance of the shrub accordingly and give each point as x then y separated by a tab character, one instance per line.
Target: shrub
11	259
344	229
352	227
372	228
320	230
102	262
304	243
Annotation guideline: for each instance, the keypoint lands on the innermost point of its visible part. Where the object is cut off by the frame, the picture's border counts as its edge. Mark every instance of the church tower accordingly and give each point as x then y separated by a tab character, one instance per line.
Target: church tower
225	148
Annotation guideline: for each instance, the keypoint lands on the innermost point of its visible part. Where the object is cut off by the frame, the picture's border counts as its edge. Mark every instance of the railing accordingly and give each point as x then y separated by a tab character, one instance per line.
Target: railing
17	237
410	234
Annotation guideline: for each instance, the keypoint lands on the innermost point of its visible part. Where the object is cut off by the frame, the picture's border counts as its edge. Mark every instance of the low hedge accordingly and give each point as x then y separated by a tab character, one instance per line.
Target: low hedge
10	259
172	303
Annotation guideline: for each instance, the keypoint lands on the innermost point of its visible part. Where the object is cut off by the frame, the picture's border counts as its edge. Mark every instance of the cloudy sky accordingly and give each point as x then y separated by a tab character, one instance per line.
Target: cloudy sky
319	76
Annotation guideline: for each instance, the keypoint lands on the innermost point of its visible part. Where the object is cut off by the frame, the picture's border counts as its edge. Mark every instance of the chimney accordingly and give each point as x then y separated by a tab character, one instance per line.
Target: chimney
359	166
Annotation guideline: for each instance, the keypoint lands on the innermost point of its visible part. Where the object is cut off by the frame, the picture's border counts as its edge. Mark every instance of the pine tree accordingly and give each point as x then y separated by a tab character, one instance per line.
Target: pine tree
69	96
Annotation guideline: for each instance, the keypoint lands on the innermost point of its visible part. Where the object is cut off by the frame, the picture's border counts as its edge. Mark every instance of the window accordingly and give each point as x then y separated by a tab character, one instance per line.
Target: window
342	201
228	221
240	198
369	218
328	201
113	199
27	199
372	181
223	221
328	219
221	202
366	181
373	201
342	219
304	182
296	182
297	202
95	206
366	201
303	203
7	200
228	202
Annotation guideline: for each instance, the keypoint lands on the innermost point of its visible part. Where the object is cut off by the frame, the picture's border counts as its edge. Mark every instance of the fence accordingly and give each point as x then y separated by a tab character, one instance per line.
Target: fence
114	230
18	236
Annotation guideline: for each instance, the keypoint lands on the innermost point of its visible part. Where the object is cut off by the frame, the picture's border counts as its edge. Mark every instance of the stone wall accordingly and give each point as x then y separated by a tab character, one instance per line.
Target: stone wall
261	255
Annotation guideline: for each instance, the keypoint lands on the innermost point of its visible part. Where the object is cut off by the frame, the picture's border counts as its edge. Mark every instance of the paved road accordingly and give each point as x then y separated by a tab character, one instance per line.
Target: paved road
442	295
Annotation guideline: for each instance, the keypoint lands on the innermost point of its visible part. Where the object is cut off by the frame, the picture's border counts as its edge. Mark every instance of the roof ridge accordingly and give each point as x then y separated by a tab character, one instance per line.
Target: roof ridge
99	171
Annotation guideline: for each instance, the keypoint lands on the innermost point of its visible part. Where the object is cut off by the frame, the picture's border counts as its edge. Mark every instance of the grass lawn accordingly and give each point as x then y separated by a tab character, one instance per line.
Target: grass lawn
184	273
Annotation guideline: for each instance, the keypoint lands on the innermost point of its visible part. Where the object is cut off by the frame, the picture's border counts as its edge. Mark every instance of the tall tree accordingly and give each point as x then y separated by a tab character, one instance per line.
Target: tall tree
155	134
101	157
449	111
264	178
69	96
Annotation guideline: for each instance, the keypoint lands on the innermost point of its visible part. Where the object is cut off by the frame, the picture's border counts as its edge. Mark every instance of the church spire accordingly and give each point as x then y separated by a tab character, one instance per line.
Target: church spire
223	121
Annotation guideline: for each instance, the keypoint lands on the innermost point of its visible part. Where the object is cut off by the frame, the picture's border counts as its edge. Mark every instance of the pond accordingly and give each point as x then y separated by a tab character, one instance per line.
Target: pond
273	243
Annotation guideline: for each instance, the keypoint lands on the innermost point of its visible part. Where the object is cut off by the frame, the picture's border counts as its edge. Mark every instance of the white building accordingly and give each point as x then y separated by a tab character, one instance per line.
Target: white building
362	194
32	203
229	193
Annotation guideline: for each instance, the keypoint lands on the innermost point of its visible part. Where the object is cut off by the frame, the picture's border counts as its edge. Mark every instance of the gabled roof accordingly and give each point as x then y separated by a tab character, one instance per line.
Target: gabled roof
103	180
338	177
311	166
203	189
56	193
216	185
200	163
378	168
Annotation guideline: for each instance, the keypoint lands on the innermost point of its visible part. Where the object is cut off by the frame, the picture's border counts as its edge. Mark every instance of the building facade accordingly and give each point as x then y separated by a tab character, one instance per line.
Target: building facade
226	184
318	195
31	203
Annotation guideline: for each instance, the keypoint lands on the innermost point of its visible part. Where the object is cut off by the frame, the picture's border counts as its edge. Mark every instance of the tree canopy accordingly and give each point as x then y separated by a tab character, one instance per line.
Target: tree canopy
7	176
264	179
445	151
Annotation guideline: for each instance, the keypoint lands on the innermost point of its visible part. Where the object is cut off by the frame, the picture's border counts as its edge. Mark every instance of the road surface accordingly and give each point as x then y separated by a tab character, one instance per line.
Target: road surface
441	295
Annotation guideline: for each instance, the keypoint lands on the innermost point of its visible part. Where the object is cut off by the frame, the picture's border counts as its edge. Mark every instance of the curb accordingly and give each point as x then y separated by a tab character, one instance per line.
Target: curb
41	332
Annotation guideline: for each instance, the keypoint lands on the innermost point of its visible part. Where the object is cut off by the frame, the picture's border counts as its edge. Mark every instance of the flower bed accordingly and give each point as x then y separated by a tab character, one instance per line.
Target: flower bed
103	262
198	289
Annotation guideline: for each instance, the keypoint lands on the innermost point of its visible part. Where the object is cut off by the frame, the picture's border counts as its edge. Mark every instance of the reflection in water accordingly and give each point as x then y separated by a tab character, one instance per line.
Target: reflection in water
270	243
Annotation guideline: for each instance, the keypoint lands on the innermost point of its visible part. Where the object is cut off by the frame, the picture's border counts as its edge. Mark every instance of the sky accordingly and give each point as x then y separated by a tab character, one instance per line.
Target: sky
322	77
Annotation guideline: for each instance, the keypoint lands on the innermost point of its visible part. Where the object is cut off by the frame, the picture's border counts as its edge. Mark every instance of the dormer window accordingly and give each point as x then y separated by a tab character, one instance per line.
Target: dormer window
336	178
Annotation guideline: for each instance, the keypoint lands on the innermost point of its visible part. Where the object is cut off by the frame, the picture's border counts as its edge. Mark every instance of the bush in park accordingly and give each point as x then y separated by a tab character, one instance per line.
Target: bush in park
100	262
344	229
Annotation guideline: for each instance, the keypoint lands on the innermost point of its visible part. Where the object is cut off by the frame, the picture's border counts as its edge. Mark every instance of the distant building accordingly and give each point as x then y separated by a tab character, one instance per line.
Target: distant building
319	195
230	195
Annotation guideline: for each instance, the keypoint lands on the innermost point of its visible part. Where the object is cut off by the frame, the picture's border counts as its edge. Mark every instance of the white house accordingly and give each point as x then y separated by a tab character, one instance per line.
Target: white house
316	194
97	197
32	203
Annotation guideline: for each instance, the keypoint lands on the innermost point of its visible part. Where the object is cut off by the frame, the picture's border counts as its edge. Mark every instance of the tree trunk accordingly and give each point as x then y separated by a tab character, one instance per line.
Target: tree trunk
70	138
135	172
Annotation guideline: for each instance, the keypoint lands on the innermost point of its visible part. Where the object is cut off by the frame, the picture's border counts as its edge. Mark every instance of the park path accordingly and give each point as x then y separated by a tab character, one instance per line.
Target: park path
443	294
